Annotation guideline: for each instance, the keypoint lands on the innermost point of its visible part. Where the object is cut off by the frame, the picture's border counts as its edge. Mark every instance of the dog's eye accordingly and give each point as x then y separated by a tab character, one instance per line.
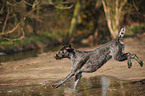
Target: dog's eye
61	51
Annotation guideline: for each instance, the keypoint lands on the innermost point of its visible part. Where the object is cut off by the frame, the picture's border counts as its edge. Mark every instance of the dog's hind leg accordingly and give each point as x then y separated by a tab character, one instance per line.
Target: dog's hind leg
128	56
133	56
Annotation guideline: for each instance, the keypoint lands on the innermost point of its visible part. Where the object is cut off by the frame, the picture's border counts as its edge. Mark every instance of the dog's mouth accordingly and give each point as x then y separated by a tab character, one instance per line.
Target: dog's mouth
57	57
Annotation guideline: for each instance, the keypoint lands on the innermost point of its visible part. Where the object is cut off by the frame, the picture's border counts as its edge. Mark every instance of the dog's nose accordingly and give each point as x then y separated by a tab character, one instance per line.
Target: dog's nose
55	55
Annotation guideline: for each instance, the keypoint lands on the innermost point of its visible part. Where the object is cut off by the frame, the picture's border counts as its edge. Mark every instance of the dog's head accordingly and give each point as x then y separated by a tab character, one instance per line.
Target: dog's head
64	52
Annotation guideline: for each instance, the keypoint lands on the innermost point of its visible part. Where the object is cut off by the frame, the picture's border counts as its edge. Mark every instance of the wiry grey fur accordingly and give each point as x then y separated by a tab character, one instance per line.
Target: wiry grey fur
90	61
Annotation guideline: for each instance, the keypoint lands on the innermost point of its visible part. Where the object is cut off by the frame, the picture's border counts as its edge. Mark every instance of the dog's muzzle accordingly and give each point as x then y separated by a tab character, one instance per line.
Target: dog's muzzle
56	56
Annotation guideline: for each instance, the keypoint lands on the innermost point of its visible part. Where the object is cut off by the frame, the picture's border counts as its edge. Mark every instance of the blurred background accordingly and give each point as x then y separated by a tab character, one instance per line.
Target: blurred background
35	24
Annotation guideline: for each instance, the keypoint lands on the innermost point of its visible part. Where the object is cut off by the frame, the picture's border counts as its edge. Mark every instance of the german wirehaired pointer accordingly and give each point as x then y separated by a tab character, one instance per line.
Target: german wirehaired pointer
90	61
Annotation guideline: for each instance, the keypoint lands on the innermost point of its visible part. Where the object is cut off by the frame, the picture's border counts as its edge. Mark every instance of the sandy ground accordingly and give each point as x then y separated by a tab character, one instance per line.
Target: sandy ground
45	68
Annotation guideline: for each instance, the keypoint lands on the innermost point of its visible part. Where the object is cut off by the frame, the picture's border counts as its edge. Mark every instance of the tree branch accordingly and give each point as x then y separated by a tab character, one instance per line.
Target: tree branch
135	5
1	10
4	26
20	38
11	31
62	7
36	2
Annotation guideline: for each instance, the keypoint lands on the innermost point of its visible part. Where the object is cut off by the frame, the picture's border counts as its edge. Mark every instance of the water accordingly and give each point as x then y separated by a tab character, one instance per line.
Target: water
93	86
32	53
18	56
25	54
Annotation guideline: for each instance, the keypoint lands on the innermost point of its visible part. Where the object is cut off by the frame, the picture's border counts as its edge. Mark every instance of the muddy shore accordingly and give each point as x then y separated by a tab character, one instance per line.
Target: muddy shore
45	68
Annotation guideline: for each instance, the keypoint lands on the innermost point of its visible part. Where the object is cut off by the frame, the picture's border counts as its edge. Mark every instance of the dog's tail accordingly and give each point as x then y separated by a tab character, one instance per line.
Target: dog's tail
121	34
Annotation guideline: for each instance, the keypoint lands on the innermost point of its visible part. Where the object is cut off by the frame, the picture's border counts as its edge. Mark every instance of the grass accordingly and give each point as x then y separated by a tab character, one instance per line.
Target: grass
134	29
42	37
50	35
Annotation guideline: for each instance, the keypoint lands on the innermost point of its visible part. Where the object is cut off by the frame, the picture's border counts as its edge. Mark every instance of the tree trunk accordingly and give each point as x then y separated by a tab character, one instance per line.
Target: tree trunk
75	17
113	12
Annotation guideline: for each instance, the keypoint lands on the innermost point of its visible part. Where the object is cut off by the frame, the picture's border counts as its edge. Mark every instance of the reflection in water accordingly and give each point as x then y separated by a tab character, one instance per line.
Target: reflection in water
94	86
25	54
18	56
105	85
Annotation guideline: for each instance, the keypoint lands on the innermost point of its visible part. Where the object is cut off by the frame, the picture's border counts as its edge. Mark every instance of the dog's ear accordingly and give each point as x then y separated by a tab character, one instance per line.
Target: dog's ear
68	45
70	50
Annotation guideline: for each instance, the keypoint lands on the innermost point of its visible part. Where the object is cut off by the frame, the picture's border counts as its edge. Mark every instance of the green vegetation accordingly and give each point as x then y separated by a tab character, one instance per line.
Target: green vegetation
52	36
43	37
135	29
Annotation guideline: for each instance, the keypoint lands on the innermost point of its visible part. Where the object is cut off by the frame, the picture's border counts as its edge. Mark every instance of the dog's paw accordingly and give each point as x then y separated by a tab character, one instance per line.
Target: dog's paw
54	86
129	64
141	64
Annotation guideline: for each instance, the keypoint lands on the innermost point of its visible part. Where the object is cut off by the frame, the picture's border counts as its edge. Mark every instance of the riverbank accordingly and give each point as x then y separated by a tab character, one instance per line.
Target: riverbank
32	42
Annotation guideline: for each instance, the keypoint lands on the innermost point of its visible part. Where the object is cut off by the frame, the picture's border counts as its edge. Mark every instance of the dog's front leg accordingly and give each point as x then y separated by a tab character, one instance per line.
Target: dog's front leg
77	79
64	80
